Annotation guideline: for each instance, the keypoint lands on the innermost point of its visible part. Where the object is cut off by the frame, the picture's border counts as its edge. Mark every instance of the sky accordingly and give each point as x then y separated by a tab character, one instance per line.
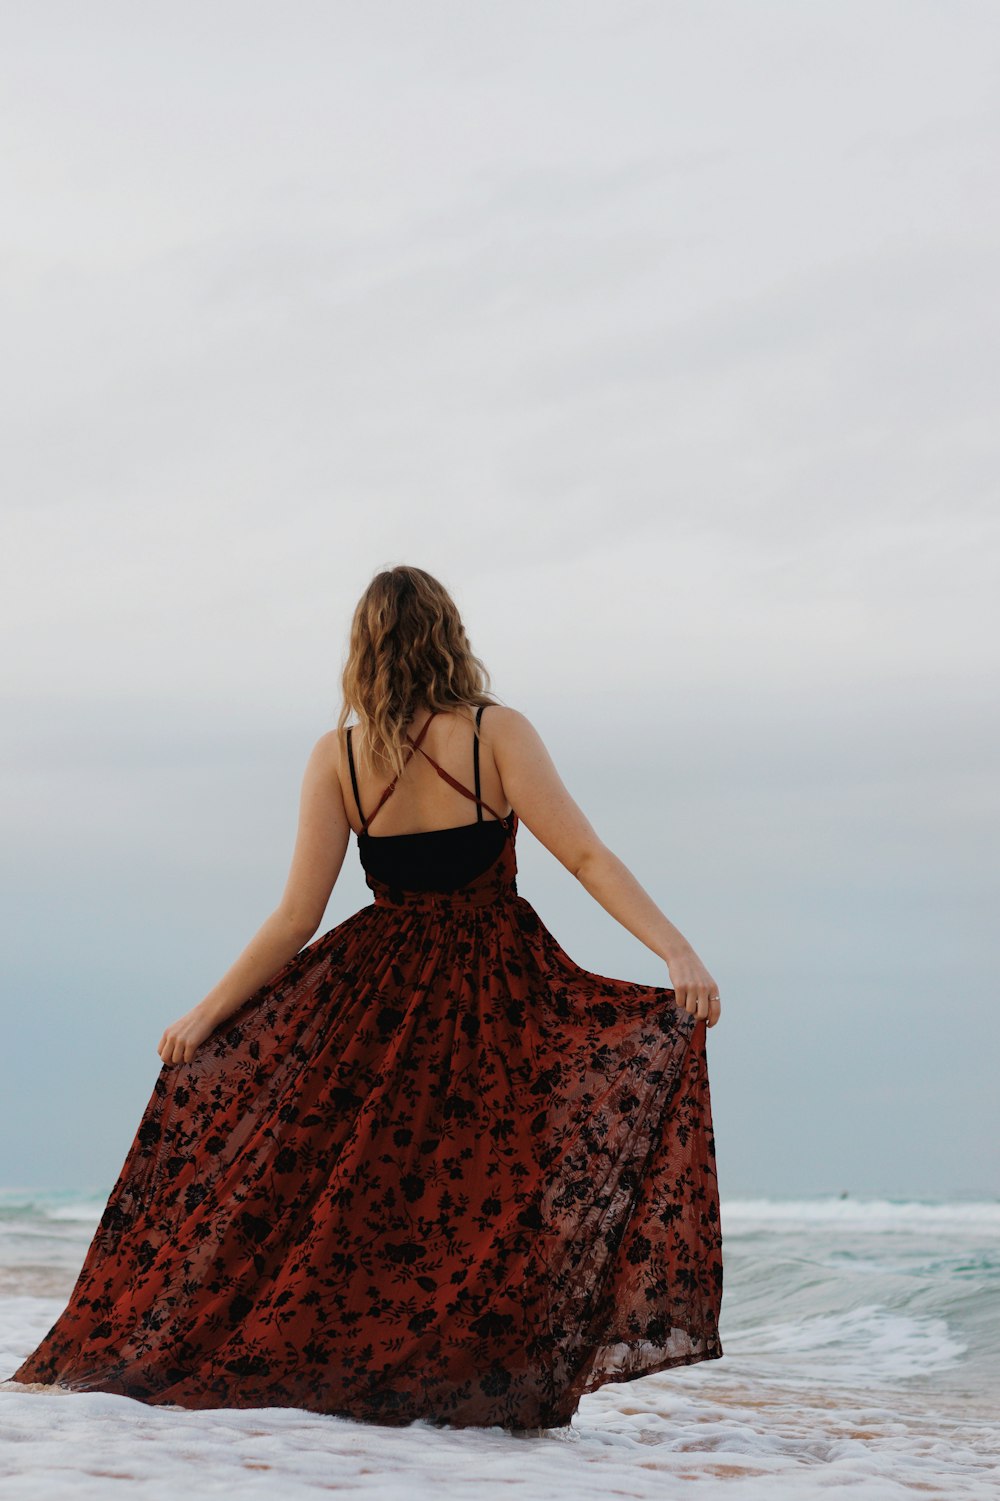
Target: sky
665	335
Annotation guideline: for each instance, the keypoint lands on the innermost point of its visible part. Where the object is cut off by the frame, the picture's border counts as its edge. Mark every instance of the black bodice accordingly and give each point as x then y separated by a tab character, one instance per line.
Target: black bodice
434	860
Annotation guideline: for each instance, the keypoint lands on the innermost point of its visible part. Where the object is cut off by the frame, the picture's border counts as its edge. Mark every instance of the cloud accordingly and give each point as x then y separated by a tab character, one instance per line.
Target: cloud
664	336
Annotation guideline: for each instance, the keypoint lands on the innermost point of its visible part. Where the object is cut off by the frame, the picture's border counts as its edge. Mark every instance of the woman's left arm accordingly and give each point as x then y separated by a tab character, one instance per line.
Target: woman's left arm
320	846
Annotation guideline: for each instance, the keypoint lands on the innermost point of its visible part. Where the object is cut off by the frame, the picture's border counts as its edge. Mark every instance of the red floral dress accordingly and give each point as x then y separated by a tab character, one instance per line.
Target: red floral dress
432	1169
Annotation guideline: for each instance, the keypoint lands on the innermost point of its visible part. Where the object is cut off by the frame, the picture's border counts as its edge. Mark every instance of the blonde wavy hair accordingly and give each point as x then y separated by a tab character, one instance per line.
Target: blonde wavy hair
408	649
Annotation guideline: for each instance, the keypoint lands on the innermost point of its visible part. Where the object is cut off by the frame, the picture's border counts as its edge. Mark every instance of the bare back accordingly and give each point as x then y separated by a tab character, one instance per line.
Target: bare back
422	799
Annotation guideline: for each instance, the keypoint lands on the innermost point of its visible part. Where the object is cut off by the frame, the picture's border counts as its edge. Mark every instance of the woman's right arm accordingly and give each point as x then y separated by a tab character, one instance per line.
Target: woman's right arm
535	789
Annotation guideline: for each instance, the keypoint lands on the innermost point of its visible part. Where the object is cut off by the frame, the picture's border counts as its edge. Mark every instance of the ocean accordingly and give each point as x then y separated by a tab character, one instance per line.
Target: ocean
862	1356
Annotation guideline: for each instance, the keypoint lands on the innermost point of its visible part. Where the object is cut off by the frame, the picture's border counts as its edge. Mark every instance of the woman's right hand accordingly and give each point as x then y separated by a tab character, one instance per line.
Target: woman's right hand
693	986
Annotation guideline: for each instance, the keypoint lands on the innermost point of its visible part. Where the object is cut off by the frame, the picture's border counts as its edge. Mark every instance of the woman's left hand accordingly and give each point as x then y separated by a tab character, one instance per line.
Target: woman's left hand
182	1039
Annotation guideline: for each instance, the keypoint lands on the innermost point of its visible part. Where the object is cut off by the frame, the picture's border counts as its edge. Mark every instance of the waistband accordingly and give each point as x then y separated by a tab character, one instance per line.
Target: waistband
444	901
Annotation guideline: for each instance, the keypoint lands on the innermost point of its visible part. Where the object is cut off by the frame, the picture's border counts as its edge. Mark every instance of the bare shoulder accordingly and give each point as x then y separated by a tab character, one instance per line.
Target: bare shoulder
503	722
328	748
509	731
534	787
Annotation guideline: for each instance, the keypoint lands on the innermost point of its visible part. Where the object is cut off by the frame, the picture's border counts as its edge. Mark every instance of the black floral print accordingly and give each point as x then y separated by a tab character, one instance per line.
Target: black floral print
432	1169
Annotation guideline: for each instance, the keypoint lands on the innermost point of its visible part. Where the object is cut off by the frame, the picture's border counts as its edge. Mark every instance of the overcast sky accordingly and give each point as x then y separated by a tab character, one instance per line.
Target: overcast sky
666	336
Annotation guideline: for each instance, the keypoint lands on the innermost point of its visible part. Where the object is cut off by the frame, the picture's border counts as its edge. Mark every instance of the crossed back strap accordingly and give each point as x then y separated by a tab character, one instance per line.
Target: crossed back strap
415	745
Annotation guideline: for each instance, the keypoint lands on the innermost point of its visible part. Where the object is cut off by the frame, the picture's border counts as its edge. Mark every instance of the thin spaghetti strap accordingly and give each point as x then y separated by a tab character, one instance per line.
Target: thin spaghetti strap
423	730
354	778
475	763
414	745
453	782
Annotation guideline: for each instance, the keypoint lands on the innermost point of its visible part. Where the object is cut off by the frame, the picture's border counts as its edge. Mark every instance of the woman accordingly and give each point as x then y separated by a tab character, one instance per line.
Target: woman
424	1166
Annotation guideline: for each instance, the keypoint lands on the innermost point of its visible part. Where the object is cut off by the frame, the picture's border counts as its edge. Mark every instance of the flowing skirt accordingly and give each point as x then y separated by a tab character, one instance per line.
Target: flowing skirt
432	1169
